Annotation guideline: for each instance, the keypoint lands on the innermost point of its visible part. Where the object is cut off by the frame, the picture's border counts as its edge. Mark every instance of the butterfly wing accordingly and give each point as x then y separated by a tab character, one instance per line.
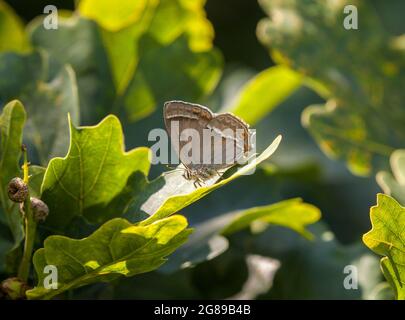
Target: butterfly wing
230	140
180	116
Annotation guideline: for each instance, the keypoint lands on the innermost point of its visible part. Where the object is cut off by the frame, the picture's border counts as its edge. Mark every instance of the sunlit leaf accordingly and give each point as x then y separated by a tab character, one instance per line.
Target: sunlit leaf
12	34
293	214
112	17
97	179
387	238
265	92
117	248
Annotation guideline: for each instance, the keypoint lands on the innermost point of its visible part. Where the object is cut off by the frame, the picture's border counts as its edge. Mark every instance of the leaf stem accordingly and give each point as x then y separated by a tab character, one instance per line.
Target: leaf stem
30	227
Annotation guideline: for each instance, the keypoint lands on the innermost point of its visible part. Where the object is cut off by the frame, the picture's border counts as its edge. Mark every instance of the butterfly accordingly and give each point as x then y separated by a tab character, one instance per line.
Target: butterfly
218	141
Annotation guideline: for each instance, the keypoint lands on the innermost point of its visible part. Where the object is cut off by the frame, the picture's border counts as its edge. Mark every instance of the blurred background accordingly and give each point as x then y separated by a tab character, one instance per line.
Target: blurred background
328	170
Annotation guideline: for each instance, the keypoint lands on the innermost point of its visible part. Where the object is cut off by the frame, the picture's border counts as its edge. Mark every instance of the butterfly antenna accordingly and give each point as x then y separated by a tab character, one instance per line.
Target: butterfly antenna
171	171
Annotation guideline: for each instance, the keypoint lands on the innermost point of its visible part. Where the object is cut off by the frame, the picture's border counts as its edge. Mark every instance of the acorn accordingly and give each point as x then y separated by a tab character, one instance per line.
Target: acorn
17	190
39	209
14	288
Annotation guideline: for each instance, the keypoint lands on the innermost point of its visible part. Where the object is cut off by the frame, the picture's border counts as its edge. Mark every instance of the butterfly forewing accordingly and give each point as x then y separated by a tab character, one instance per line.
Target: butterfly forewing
186	116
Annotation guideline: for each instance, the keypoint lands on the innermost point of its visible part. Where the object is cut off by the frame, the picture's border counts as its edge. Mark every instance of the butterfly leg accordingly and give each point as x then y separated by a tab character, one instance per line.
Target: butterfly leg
198	182
186	174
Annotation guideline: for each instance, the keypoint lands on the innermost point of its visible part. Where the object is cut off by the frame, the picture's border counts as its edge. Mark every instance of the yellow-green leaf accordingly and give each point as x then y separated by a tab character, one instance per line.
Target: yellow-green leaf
12	33
387	238
113	16
118	248
97	178
293	214
265	92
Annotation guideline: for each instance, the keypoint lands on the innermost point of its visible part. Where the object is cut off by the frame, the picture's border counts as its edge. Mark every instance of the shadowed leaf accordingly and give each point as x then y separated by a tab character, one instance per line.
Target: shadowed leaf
394	184
12	121
362	121
48	92
86	54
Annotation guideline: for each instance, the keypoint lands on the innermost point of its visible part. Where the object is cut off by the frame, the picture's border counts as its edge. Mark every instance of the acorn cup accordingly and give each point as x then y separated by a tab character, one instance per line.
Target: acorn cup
39	209
17	190
14	288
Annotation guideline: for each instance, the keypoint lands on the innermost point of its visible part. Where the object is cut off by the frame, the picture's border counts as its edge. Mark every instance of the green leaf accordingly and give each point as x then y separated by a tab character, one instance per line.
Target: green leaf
122	47
394	184
37	174
78	42
265	91
316	270
12	34
48	92
171	192
117	248
208	241
387	238
362	121
97	179
179	34
293	214
183	17
12	121
181	74
113	17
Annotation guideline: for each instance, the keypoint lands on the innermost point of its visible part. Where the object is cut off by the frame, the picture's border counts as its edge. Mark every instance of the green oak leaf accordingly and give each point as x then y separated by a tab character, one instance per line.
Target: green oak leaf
317	269
37	174
85	52
394	184
164	21
122	46
293	214
387	238
362	71
272	85
112	17
97	179
208	241
117	248
181	74
135	64
12	121
48	92
171	192
12	34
